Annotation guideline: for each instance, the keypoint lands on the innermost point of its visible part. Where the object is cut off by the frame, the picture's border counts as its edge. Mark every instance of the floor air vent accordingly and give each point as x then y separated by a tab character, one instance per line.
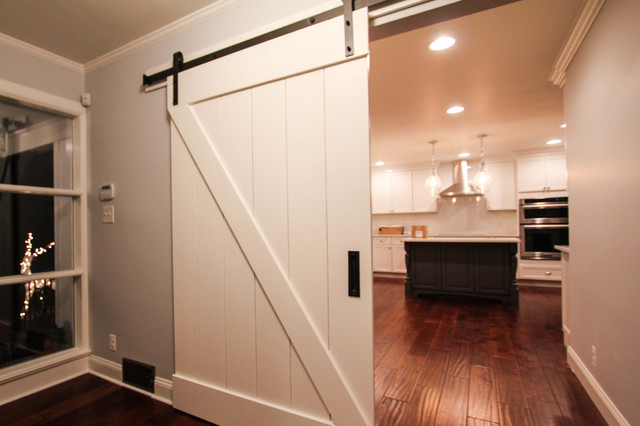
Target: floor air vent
137	374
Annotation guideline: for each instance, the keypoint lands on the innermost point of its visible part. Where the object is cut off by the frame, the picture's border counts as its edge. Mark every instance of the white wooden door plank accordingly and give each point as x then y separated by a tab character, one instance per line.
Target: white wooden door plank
209	116
239	296
273	355
304	396
183	177
270	167
349	229
237	142
210	298
307	195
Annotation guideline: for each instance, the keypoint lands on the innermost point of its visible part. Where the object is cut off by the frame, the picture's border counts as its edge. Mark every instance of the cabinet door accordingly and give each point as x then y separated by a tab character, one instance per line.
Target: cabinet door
531	174
381	192
557	172
492	263
422	200
457	264
502	195
382	258
398	256
426	266
401	192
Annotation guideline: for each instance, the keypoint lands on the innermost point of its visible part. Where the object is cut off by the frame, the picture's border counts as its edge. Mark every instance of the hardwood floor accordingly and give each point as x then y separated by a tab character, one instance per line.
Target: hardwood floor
438	361
446	361
90	400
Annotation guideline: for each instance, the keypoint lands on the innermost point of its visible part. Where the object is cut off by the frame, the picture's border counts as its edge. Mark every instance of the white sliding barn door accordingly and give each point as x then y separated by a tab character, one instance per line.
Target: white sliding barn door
270	191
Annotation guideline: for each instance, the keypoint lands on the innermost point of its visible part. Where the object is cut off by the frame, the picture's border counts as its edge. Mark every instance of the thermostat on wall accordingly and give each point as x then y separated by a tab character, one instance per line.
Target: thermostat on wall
107	192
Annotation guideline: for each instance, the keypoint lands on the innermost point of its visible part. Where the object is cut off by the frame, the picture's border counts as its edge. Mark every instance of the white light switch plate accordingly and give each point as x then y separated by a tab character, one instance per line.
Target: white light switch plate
108	214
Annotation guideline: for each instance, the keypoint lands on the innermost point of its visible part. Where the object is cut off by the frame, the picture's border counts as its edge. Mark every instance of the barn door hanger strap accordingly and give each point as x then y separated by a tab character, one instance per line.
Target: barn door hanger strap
348	27
178	62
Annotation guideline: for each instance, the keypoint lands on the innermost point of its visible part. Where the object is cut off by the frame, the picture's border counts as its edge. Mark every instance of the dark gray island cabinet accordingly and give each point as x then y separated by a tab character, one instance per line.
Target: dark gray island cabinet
471	267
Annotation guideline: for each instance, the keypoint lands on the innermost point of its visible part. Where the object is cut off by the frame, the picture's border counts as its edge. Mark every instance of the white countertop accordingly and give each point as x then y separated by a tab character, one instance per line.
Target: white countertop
563	249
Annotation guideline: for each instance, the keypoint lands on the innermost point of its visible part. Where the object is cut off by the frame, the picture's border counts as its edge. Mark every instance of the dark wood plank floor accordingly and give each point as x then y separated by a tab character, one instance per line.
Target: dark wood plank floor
438	361
89	400
446	361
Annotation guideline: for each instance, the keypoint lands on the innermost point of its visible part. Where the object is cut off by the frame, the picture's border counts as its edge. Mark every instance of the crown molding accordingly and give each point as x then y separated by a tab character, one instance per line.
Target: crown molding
580	28
182	24
41	53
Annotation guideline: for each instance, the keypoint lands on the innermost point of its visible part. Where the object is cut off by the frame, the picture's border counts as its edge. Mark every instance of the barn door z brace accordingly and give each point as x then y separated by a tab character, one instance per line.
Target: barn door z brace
179	65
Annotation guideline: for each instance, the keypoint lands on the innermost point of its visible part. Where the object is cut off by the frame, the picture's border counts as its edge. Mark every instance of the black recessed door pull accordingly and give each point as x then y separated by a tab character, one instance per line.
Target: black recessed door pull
354	274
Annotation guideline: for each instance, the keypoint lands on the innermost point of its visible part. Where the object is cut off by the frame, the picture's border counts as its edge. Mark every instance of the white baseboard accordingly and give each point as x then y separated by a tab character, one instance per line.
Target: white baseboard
607	408
112	372
33	376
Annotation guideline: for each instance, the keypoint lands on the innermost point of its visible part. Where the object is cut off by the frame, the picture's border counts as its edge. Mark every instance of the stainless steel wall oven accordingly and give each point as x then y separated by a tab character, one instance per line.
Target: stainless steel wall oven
544	223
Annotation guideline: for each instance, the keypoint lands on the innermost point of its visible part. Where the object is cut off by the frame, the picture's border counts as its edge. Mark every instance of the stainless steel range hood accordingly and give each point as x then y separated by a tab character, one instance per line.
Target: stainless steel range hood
461	185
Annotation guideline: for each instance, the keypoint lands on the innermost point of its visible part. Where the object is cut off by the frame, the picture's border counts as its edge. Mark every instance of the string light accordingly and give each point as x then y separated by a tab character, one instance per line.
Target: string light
33	286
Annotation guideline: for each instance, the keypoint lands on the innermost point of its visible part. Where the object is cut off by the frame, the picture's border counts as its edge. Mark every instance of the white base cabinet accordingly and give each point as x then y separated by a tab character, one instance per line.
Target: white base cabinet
389	254
539	270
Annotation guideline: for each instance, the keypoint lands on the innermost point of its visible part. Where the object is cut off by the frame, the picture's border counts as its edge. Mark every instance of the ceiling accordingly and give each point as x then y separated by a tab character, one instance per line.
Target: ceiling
498	69
83	30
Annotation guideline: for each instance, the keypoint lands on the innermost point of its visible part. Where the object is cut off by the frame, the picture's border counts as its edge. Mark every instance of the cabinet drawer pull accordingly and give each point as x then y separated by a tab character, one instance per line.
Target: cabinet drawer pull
547	272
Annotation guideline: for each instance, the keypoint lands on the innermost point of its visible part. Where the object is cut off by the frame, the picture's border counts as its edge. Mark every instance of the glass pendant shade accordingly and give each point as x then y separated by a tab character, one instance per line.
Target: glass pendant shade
433	183
482	180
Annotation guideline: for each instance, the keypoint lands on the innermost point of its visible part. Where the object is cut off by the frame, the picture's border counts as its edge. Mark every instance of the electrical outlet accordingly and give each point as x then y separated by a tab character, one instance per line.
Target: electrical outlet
112	342
594	356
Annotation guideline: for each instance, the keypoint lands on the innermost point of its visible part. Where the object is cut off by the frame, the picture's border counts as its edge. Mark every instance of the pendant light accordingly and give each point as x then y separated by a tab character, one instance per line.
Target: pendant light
432	184
482	179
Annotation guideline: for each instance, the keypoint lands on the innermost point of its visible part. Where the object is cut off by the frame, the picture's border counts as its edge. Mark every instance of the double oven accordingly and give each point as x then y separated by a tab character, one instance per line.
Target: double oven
544	224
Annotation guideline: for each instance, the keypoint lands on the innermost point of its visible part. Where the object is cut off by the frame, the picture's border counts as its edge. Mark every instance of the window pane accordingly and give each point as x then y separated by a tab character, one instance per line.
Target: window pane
29	224
35	147
36	319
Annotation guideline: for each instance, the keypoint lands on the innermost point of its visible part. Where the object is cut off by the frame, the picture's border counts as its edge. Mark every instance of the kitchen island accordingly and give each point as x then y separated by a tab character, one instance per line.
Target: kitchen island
475	266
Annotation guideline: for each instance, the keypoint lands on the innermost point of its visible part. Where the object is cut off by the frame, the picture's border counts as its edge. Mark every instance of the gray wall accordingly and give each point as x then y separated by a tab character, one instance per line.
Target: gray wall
25	69
130	261
602	106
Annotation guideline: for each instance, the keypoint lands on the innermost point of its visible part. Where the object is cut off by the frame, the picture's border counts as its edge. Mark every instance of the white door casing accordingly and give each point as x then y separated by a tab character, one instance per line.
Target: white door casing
270	190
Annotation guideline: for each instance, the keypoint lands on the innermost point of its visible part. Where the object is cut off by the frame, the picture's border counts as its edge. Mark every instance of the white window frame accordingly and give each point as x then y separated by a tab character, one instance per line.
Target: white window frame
26	377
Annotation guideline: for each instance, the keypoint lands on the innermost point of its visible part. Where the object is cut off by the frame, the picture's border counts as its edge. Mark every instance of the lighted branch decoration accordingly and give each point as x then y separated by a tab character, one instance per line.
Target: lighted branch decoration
34	287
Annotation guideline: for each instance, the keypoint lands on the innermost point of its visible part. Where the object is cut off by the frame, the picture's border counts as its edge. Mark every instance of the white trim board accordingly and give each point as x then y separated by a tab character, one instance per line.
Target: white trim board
32	377
181	24
607	408
580	29
41	53
112	372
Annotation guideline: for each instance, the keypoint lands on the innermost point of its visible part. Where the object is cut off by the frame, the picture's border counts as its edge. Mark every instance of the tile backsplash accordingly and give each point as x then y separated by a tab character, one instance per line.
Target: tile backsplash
467	216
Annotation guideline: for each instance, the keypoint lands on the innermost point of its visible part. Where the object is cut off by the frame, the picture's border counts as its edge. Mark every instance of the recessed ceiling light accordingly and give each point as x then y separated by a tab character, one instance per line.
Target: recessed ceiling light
554	142
463	155
563	125
379	163
455	109
442	43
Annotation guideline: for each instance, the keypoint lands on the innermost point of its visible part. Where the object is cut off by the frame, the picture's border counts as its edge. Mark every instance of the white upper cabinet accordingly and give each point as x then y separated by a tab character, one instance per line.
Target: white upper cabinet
556	172
502	195
391	192
542	173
